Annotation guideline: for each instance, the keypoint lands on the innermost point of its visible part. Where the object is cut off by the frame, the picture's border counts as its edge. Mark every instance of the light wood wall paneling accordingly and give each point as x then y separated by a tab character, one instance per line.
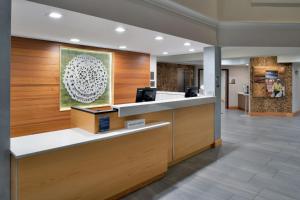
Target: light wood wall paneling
132	71
35	83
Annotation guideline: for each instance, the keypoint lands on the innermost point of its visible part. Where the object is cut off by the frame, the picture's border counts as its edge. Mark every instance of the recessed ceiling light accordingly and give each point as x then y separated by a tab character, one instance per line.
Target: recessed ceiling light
122	47
165	53
187	44
159	38
191	50
55	15
74	40
120	30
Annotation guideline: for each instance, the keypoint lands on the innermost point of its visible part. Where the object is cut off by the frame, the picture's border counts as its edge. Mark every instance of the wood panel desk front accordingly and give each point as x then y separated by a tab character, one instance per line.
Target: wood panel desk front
113	167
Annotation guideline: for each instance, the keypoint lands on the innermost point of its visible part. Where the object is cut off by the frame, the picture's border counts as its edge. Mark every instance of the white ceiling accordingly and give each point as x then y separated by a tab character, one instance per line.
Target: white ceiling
31	20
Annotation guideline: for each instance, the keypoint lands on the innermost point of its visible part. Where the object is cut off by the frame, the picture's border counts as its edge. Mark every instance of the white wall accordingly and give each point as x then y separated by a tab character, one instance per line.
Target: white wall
153	67
296	87
241	74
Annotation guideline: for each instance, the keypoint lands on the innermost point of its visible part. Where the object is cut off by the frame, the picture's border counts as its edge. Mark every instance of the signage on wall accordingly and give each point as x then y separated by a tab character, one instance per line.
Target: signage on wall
85	78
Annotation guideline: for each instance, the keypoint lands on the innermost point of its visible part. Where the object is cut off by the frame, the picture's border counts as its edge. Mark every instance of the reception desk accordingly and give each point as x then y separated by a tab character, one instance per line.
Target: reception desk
81	163
243	101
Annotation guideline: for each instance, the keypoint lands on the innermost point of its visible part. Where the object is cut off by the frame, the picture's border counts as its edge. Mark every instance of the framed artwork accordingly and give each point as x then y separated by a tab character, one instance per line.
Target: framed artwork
85	78
274	85
268	81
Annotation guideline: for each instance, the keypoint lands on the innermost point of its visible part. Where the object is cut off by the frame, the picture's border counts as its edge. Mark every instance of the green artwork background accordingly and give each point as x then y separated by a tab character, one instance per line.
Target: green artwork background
66	55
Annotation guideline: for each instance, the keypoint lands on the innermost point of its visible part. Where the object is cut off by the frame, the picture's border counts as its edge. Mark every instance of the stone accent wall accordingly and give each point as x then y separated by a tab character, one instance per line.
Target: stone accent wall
268	104
167	76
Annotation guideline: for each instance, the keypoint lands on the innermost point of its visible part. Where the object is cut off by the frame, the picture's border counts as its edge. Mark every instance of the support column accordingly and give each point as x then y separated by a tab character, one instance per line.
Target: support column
5	16
212	83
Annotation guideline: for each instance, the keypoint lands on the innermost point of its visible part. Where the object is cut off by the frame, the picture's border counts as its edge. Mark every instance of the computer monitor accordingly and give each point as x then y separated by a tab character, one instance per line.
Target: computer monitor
145	94
191	92
139	95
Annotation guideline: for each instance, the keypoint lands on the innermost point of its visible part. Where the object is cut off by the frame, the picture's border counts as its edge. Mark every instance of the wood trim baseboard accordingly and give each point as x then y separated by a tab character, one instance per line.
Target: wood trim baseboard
217	143
233	108
296	113
272	114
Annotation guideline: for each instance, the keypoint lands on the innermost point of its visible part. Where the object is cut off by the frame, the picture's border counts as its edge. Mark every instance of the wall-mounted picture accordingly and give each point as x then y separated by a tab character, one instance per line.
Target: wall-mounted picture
85	78
274	85
271	74
268	81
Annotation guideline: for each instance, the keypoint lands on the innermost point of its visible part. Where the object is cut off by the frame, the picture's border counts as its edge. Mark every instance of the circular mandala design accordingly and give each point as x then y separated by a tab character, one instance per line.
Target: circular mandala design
85	78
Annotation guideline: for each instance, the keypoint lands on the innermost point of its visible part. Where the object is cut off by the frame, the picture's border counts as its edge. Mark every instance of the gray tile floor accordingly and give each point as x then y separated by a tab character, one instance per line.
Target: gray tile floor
259	160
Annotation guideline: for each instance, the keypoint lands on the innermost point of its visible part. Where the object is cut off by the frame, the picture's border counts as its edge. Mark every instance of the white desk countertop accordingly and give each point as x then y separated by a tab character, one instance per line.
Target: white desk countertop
34	144
161	105
30	145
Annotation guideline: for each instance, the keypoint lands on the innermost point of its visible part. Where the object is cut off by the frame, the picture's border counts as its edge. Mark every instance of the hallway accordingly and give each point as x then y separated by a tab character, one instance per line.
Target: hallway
259	160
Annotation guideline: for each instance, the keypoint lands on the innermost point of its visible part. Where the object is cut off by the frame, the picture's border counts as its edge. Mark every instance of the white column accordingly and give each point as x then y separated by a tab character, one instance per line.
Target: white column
5	14
212	81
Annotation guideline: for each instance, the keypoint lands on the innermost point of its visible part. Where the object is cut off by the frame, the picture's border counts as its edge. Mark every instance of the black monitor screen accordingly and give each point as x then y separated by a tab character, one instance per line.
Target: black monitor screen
191	92
149	95
145	94
139	95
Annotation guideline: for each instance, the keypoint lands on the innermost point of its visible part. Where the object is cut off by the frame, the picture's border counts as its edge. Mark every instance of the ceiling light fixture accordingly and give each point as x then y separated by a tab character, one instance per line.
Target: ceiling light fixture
159	38
165	53
55	15
120	30
191	50
74	40
122	47
187	44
